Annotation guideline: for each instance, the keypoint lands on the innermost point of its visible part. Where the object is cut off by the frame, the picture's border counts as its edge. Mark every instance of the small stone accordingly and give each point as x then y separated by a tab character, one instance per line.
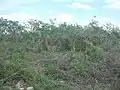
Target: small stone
22	89
61	81
20	84
30	88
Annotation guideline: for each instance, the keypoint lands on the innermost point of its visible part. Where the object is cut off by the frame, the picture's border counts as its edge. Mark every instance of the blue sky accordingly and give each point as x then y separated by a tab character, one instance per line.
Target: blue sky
80	11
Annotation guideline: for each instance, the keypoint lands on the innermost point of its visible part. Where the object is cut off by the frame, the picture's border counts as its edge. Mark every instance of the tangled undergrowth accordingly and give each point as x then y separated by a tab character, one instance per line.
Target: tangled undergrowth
64	57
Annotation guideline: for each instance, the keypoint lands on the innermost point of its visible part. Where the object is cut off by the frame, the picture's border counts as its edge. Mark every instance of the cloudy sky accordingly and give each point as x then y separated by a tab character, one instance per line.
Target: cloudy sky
80	11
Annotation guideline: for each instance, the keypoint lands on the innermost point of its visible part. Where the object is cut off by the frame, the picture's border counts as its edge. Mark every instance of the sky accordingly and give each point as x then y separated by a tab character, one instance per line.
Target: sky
71	11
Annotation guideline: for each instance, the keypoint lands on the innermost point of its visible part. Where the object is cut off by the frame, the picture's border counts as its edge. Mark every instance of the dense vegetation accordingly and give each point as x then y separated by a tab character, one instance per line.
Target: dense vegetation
63	57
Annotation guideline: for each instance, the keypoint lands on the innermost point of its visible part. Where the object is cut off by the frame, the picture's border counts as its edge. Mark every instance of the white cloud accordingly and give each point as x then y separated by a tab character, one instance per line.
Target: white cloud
101	20
113	4
62	17
71	19
104	20
79	5
68	1
21	17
